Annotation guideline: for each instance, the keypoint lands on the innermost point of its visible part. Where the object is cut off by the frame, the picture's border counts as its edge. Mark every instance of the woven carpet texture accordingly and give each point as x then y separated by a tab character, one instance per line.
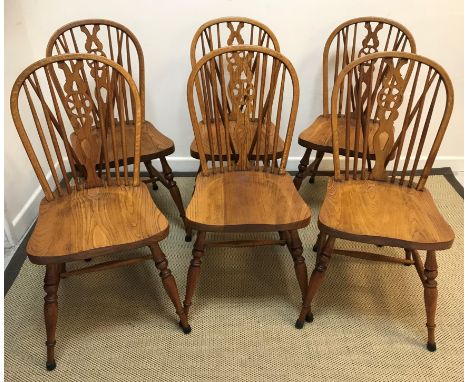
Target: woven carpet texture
119	325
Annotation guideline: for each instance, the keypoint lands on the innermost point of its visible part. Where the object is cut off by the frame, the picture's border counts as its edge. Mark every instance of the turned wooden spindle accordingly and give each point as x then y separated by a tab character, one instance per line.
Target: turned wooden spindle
295	248
302	167
316	279
194	270
170	285
51	284
430	297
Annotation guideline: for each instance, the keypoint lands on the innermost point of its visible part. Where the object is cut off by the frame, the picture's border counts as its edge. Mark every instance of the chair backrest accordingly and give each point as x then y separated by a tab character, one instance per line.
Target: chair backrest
104	38
356	38
60	100
408	102
228	31
264	91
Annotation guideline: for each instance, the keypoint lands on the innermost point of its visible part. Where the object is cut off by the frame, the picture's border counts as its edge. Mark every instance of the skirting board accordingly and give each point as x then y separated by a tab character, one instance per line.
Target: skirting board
187	164
23	220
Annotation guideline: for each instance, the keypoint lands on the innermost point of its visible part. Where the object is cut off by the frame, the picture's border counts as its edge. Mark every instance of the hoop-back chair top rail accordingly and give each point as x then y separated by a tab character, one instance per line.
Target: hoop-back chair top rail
228	31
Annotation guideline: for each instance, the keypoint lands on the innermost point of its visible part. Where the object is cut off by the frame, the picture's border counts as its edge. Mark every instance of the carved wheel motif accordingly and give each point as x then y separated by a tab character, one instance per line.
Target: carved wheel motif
80	111
242	93
370	43
389	99
94	46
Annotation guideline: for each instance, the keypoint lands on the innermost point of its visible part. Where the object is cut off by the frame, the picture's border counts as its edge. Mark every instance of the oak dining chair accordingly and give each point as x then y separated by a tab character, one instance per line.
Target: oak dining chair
349	41
56	104
241	190
410	98
219	33
113	40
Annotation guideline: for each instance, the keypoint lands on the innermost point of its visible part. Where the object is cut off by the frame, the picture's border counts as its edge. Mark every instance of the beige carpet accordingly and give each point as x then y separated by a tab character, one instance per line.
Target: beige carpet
369	323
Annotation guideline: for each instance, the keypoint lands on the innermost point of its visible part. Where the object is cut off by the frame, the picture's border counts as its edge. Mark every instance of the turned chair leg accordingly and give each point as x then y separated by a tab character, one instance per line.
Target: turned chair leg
170	285
194	270
51	283
302	168
408	256
316	279
418	265
152	175
175	193
430	297
318	246
320	241
315	165
296	250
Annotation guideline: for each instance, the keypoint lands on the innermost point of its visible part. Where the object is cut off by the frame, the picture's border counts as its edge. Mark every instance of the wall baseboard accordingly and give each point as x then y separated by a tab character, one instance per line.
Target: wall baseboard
188	164
26	216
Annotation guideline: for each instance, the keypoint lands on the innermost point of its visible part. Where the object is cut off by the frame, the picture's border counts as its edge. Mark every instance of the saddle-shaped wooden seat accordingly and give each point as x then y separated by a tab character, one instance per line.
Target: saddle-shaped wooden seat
94	221
318	135
384	214
247	201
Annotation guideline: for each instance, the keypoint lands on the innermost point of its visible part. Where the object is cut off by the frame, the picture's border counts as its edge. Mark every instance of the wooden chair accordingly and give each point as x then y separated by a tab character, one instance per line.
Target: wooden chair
234	193
115	41
229	31
349	41
105	212
411	99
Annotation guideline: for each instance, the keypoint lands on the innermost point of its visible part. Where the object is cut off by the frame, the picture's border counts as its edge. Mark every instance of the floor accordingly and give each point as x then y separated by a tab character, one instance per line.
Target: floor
9	251
8	254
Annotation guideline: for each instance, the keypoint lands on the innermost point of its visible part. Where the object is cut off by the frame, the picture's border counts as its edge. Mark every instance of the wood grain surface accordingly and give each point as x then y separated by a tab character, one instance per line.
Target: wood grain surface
383	213
247	201
252	127
101	219
318	135
153	143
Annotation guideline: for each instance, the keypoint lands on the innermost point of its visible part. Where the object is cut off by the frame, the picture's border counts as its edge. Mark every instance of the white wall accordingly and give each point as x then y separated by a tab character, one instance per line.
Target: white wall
165	30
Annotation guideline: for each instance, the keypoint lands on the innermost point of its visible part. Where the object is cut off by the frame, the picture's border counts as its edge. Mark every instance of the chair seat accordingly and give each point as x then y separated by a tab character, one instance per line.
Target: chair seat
241	201
252	128
383	213
154	144
318	136
95	221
